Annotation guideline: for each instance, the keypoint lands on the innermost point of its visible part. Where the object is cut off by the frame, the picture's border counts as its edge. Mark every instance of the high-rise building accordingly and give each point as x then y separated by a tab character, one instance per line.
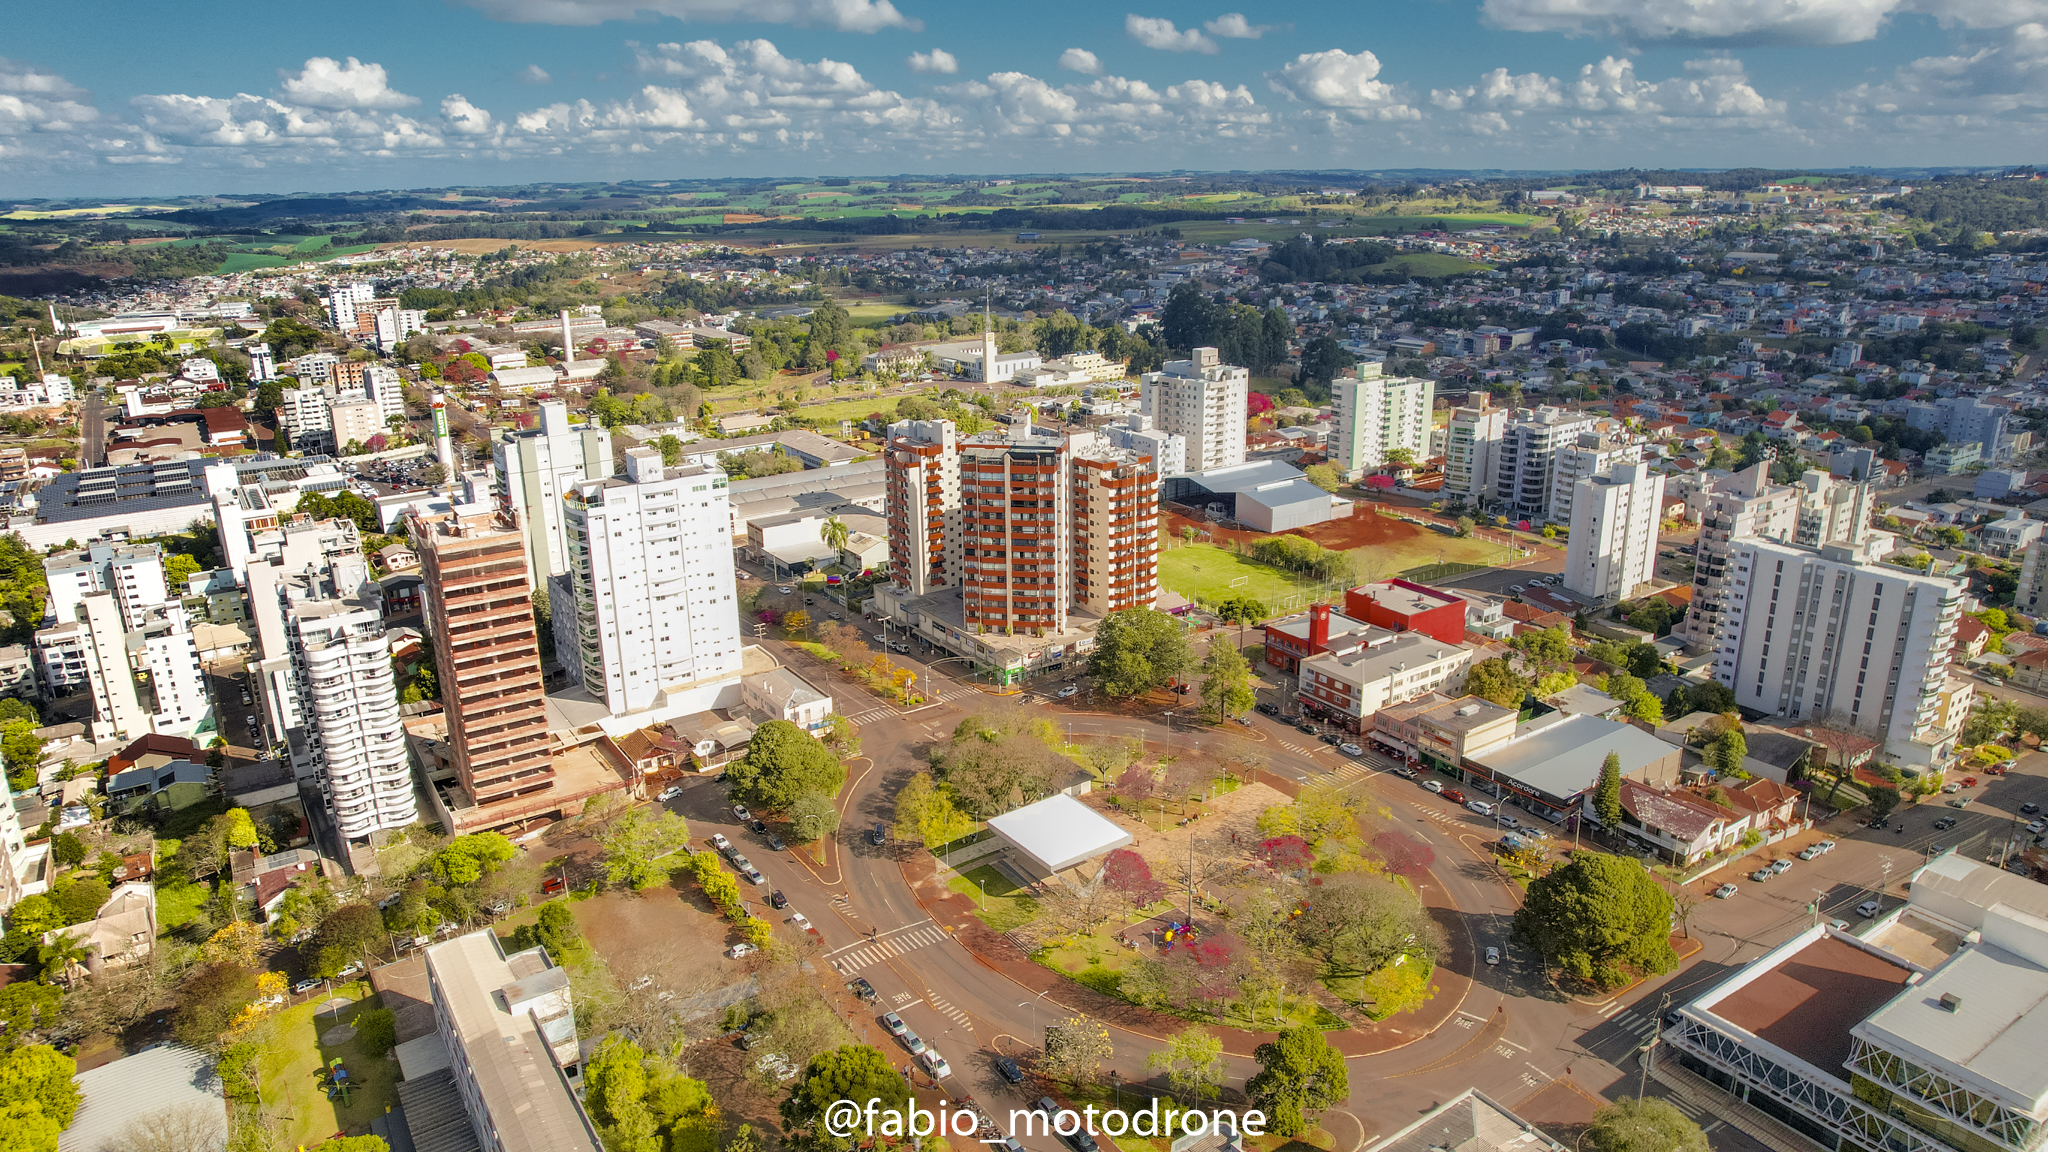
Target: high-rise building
1528	456
382	383
533	469
1116	527
262	363
353	418
90	651
303	419
1472	450
1743	503
1820	635
478	610
1963	420
1582	457
329	693
650	565
1833	509
1169	453
1201	400
1373	415
137	628
134	573
922	483
1017	538
1613	542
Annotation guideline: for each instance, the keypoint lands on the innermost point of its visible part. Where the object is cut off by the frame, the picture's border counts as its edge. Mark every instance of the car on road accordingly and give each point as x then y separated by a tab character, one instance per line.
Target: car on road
670	793
775	843
1406	773
1351	749
1761	875
1780	866
784	589
935	1064
1726	892
1514	588
2037	826
760	827
1331	739
1507	821
1839	925
723	845
740	813
899	647
1008	1069
835	615
862	990
777	900
810	599
1868	908
1436	786
1960	802
1310	729
1944	823
879	836
741	949
802	922
894	1024
912	1041
1067	690
1492	954
1267	709
1480	806
1454	796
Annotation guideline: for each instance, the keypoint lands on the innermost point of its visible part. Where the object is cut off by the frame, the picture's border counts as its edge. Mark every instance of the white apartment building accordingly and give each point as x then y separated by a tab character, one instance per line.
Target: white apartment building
1819	635
1613	544
1833	510
262	363
90	651
650	565
1472	451
342	658
1743	503
1528	456
1586	455
1169	453
1201	400
134	573
342	300
922	493
1368	670
303	418
1372	415
382	383
531	472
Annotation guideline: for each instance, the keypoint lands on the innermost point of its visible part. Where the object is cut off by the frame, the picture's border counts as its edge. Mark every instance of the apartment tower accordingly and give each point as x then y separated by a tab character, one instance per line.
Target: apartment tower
1202	400
1528	457
531	470
478	609
1613	543
1374	415
922	484
1116	526
1017	541
1472	450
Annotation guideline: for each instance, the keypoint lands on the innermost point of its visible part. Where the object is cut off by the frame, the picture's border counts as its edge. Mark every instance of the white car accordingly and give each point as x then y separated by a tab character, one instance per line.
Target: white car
785	589
1433	785
2037	826
935	1064
1480	806
1351	749
741	949
1868	908
894	1023
670	792
1492	954
1066	690
802	923
1725	891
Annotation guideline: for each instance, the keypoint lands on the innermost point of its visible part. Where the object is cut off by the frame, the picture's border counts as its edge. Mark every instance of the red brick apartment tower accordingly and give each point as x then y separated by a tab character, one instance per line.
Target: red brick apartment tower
1017	566
921	471
478	608
1116	529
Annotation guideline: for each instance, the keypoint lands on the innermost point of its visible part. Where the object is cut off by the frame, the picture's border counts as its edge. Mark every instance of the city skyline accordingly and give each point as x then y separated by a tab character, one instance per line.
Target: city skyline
661	89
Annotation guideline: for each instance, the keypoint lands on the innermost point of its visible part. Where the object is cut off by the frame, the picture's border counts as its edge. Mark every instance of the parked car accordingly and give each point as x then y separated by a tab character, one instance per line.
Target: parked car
1009	1070
1868	908
1351	749
935	1064
1839	925
1454	796
753	875
349	969
1406	773
1951	788
784	589
1305	727
894	1024
1480	806
723	845
1780	866
775	843
670	793
1826	846
1331	739
1436	786
777	900
2029	808
1492	954
738	950
913	1042
1267	709
1725	891
740	813
1067	690
1969	781
1507	821
1761	875
802	922
862	990
1960	802
879	836
306	985
899	647
1809	852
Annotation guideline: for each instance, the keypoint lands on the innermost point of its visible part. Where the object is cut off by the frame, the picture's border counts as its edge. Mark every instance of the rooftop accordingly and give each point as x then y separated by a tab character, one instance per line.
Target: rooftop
1809	998
1382	658
1563	758
1979	1018
1469	1122
1404	596
1059	832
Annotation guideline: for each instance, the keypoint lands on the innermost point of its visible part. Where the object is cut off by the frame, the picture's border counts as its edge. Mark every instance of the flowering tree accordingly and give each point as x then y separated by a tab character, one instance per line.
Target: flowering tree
1286	853
1127	873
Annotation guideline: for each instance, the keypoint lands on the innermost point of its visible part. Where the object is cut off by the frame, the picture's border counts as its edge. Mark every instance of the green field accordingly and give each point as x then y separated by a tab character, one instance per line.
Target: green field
291	1061
1428	264
1189	568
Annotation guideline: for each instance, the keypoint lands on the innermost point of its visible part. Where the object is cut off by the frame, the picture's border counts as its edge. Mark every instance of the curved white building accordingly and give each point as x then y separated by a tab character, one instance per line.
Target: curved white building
350	703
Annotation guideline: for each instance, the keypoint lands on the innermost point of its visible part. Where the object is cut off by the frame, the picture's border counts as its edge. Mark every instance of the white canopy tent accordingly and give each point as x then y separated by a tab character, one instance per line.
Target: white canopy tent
1059	832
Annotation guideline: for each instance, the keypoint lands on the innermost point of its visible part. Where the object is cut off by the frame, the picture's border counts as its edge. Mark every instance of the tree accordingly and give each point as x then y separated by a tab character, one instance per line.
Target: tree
208	1002
1299	1077
37	1097
1546	645
1358	923
1241	610
811	817
1497	681
1883	801
69	850
1324	476
1126	873
470	857
1075	1049
1465	525
1137	650
376	1031
856	1072
783	762
1193	1063
1599	918
346	933
925	812
1607	794
197	1127
636	845
834	533
1227	680
1643	1124
241	828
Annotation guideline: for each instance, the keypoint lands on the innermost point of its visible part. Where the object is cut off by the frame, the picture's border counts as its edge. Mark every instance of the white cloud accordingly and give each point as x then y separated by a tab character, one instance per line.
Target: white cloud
1158	32
1343	85
842	15
1748	21
1233	26
534	74
1608	98
322	83
1998	88
938	61
33	100
464	118
1080	60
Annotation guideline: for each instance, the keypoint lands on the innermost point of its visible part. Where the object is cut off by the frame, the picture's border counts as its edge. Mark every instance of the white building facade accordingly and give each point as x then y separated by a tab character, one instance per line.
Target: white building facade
533	470
1613	544
1201	400
1472	451
1373	415
1586	455
1528	456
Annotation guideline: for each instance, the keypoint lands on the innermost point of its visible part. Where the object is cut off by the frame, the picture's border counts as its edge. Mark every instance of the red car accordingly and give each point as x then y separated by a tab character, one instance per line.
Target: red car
552	885
1454	796
1969	781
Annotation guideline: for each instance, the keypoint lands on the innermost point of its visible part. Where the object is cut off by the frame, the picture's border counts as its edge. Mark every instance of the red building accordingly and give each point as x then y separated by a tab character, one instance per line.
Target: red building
1404	606
1296	638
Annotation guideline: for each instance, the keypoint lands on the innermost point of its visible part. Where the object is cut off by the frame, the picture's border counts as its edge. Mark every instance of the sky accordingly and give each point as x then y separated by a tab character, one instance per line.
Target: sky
127	99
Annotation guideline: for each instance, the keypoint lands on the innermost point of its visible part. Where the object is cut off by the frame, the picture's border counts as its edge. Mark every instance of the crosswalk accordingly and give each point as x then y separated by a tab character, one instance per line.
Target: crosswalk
885	712
1297	749
899	943
950	1011
1629	1021
843	904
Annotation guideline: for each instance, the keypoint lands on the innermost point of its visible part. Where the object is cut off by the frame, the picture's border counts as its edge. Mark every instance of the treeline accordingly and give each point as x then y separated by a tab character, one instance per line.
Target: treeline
1971	205
1323	263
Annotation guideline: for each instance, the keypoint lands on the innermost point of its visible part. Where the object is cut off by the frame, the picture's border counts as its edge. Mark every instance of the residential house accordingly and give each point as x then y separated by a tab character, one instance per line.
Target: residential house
120	933
645	757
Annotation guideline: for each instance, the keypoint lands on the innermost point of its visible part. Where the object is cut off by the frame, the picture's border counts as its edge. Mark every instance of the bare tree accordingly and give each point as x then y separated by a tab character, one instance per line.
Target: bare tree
1842	747
196	1127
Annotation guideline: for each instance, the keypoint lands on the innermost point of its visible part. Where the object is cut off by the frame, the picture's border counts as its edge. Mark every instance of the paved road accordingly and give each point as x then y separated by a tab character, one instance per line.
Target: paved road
92	432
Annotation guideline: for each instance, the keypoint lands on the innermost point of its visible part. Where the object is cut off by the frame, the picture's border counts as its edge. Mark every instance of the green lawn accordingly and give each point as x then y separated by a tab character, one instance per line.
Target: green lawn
1429	548
873	313
1187	568
1428	264
177	904
999	903
290	1065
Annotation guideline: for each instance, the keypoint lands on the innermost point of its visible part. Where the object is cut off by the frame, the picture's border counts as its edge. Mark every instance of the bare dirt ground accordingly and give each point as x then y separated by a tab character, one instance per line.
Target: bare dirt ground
1228	819
664	933
1362	529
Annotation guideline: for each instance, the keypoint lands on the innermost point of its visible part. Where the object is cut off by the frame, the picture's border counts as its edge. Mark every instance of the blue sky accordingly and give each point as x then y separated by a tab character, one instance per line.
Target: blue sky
240	97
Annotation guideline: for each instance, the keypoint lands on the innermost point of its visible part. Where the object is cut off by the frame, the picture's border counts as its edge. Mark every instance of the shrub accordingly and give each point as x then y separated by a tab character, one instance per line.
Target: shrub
376	1032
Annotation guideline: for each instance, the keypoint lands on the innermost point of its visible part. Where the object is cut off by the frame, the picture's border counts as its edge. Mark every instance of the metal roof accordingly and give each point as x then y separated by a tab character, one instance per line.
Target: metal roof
1059	832
1563	759
152	1082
